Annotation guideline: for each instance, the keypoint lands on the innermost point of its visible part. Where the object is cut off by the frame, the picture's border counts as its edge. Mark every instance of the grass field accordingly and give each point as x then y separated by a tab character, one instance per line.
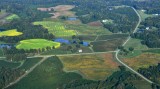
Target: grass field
144	15
48	75
12	17
28	63
110	45
143	61
12	32
84	29
96	67
114	36
4	63
152	51
136	44
36	44
56	28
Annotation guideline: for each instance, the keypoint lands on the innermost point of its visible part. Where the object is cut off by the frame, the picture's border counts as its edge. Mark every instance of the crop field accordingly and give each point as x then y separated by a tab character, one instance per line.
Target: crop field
29	62
12	17
114	36
110	45
48	75
136	44
12	32
36	44
56	28
143	61
95	67
84	29
7	64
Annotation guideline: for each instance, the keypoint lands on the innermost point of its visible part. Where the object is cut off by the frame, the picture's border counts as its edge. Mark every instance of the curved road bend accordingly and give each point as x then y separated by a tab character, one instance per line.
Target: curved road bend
140	75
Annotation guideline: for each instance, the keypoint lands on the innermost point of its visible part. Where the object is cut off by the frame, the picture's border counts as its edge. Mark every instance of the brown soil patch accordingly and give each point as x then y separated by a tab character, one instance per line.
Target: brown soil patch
96	67
96	23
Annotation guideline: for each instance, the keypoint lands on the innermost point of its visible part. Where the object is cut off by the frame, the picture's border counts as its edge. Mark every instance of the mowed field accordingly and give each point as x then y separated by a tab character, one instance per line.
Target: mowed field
94	67
84	29
36	44
12	32
48	75
12	17
136	44
144	60
108	45
56	28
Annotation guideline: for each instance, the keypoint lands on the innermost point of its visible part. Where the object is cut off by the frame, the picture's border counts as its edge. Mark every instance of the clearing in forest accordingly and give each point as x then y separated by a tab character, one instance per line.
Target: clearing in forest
37	44
96	67
56	28
12	32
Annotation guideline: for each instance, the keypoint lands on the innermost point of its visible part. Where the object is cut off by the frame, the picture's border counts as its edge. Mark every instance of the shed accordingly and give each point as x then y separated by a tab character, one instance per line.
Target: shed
85	44
72	18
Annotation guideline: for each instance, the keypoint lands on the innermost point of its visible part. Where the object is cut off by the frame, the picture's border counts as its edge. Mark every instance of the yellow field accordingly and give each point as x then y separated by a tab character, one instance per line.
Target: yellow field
12	32
143	61
96	67
56	28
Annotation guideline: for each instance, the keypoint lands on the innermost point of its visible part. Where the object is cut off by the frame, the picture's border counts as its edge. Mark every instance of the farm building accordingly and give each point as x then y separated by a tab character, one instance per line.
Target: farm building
61	40
72	18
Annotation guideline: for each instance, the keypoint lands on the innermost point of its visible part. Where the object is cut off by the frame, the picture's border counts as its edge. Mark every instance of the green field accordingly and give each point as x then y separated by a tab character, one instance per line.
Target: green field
84	29
56	28
114	36
7	64
144	15
28	63
136	44
36	44
12	32
12	17
48	75
110	45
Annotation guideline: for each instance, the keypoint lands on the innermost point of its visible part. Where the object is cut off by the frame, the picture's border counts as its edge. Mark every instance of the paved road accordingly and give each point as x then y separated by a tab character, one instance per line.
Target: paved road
29	71
140	75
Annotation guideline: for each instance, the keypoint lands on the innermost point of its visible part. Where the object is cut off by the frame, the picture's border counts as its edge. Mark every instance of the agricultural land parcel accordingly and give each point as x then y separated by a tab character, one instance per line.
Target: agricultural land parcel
12	32
48	75
95	67
56	28
36	44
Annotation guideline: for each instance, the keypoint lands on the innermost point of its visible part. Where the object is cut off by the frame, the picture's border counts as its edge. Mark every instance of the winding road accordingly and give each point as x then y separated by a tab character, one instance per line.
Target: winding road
116	55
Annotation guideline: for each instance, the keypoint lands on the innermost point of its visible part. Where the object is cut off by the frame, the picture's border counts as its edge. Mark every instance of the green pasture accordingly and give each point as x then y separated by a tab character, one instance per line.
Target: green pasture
29	62
36	44
56	28
48	75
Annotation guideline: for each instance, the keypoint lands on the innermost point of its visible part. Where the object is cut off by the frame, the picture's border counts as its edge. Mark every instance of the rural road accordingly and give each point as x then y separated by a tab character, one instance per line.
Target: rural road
116	55
29	71
140	75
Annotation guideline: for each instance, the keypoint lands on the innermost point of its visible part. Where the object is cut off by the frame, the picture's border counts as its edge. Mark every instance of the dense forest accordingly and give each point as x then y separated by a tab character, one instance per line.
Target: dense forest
150	37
